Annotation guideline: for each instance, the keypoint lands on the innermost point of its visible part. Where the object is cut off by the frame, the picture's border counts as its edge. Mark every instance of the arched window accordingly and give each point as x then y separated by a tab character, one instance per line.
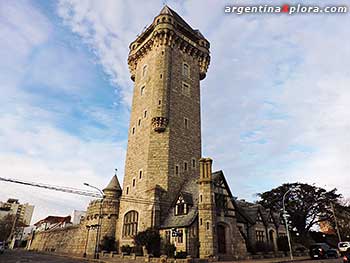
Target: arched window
130	224
144	70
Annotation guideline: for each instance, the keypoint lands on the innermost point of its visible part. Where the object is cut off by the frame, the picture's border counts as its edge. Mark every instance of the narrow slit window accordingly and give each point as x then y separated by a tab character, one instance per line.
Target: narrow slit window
140	174
133	130
186	123
185	166
144	71
193	163
142	90
139	122
176	169
145	114
133	182
185	70
127	190
186	89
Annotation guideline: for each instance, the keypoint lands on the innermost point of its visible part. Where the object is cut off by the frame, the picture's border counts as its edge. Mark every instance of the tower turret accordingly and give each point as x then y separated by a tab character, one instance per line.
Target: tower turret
206	210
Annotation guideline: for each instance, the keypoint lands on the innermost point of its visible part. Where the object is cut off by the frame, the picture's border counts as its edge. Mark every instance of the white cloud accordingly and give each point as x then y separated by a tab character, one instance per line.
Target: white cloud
284	78
33	145
38	152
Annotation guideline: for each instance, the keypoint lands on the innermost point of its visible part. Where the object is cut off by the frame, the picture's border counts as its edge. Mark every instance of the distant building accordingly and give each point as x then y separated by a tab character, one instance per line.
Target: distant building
23	212
77	216
52	222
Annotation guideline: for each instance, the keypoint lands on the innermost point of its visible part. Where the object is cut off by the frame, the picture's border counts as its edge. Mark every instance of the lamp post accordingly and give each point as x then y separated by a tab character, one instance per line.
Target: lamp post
336	221
286	222
99	224
87	240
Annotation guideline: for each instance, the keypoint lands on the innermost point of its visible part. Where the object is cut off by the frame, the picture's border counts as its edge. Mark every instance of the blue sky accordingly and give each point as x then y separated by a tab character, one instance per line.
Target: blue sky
274	103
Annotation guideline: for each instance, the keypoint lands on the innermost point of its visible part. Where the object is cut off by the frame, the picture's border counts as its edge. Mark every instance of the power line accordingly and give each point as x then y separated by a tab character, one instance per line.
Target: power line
70	190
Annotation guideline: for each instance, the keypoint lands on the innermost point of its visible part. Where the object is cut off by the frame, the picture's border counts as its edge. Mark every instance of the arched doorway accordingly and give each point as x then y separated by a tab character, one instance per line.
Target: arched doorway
221	234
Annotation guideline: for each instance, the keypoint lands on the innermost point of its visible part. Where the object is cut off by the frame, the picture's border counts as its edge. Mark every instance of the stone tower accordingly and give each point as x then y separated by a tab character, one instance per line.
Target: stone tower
206	211
166	61
101	217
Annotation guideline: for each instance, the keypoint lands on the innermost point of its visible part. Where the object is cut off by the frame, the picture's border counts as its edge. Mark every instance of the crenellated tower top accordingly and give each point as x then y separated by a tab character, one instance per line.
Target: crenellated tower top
169	29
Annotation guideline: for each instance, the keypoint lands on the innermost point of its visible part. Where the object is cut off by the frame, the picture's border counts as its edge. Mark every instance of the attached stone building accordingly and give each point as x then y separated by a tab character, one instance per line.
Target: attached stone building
257	224
167	184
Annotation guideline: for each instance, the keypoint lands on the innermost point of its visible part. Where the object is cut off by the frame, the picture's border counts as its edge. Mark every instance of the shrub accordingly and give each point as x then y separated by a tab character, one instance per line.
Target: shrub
126	249
168	249
149	238
181	254
263	247
282	244
108	243
137	250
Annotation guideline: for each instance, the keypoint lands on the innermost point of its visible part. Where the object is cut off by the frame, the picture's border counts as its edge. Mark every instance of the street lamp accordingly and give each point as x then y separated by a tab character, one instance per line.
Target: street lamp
99	224
286	222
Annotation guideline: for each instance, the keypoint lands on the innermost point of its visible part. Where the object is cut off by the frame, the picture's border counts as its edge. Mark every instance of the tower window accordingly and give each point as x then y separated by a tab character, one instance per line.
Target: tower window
193	163
142	90
145	114
144	71
186	89
133	182
127	190
176	169
185	70
139	122
130	224
186	123
201	221
208	225
161	76
185	166
201	198
140	174
133	130
159	102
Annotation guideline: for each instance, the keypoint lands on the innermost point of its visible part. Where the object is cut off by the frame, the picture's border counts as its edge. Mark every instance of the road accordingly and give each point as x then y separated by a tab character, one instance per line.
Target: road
19	256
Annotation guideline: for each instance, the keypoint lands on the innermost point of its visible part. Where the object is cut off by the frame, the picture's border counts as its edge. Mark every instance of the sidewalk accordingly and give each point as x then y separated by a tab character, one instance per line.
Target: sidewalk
270	260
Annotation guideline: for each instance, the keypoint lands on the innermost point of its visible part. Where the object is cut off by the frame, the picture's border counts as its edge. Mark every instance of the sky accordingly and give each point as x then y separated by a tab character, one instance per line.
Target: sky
274	103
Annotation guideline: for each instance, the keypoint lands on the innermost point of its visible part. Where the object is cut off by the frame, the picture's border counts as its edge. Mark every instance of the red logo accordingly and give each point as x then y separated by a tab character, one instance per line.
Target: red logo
285	8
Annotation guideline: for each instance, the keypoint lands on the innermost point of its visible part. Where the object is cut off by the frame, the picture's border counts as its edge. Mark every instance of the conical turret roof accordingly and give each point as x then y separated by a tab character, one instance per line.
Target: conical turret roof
113	185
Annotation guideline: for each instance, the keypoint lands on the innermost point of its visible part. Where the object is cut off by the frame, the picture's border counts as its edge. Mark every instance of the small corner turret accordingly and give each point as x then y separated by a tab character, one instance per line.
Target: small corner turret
113	189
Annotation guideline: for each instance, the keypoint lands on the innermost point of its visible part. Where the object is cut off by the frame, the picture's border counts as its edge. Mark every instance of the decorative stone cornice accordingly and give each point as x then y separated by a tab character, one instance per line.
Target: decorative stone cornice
159	124
171	38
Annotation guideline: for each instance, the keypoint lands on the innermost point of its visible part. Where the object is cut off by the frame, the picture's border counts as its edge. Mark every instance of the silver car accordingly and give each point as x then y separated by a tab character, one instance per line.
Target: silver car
344	246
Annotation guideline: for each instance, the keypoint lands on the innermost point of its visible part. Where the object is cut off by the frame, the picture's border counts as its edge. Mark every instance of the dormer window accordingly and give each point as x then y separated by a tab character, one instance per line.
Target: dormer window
182	204
259	218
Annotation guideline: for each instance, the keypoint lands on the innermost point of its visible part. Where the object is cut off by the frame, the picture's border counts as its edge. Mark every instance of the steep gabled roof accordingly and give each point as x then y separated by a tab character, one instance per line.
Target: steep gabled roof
190	194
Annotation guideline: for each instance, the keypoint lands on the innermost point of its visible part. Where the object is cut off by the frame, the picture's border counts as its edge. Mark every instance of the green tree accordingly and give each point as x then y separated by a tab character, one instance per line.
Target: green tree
149	238
307	205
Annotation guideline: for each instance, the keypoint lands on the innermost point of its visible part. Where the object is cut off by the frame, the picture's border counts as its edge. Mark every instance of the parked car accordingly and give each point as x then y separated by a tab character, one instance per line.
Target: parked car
2	247
344	247
322	250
